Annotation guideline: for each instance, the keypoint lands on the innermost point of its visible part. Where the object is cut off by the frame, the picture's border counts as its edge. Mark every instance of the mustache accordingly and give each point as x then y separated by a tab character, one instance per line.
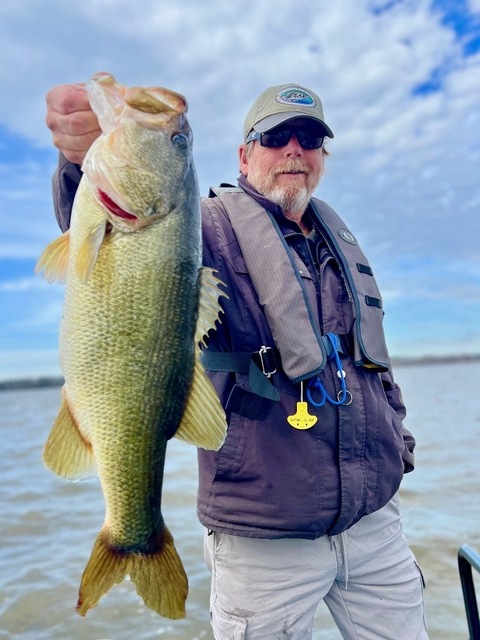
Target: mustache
292	166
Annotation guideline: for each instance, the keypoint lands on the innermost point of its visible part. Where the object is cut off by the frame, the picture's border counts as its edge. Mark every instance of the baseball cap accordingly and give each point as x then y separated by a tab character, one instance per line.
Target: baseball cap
281	103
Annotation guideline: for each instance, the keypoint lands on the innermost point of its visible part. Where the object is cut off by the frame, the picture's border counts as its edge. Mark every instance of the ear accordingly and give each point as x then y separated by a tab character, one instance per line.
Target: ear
243	158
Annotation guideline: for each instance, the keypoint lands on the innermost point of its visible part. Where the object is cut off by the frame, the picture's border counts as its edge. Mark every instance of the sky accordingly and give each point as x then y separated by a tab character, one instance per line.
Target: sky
400	85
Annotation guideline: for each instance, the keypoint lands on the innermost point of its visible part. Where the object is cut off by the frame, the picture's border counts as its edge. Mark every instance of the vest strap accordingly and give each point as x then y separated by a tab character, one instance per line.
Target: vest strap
252	363
256	403
260	365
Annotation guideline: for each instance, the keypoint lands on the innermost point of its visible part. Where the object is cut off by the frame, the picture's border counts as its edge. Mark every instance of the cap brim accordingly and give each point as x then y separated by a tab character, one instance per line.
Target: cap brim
270	122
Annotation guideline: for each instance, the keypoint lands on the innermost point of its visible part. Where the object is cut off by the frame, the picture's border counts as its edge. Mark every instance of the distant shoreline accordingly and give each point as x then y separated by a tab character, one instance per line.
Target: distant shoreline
401	362
31	383
57	381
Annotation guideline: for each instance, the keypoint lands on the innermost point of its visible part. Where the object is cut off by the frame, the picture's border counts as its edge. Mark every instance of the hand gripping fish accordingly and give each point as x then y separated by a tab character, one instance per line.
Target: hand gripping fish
137	305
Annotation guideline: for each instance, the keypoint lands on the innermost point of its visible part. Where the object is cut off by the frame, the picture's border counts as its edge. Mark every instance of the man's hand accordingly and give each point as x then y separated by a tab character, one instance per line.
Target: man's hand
73	124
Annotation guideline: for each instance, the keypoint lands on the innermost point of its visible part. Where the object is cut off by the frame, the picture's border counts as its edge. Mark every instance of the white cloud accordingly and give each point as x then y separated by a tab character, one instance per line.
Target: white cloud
404	163
474	5
23	284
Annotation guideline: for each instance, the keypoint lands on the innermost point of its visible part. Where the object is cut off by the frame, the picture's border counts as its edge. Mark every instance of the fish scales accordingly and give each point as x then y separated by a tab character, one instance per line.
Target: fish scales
129	335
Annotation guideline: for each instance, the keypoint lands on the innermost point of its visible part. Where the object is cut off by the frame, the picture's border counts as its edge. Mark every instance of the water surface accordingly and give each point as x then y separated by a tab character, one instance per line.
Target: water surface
48	525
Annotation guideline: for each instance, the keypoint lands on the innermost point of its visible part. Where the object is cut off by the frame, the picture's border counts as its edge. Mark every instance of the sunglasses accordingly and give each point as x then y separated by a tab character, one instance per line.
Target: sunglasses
280	137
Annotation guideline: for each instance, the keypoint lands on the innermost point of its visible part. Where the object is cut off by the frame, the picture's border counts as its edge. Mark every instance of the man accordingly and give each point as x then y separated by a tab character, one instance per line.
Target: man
300	504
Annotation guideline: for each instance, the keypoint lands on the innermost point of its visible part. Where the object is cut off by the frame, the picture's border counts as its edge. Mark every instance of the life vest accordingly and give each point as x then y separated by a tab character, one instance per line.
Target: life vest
290	318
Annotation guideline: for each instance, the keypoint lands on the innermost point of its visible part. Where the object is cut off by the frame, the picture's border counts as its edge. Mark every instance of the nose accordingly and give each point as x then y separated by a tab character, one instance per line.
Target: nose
293	148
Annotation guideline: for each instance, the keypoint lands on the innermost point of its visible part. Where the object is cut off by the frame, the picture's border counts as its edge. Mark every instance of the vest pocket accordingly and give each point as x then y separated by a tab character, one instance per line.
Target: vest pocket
229	461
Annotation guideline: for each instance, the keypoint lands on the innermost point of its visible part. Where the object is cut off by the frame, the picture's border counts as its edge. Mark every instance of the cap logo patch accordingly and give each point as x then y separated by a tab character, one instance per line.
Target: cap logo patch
296	95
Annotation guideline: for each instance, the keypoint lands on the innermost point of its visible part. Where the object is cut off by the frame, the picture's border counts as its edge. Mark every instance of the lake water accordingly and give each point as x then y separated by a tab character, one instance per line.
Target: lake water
48	525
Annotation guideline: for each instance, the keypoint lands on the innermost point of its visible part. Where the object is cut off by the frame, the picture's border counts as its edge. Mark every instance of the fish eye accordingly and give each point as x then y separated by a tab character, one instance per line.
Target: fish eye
180	140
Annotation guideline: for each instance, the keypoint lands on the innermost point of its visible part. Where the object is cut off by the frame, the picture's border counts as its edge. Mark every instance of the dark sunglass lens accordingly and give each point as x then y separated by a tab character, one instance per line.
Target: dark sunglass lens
277	138
281	137
309	140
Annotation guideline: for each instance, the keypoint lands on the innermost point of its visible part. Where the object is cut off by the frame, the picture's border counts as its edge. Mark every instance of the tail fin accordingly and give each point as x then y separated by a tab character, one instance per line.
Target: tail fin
159	577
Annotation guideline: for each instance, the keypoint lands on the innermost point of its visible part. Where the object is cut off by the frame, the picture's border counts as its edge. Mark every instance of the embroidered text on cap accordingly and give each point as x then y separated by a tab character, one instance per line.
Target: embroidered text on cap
296	95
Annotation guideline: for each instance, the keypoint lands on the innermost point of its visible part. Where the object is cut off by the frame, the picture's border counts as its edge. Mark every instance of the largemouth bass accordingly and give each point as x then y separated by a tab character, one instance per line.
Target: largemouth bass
137	305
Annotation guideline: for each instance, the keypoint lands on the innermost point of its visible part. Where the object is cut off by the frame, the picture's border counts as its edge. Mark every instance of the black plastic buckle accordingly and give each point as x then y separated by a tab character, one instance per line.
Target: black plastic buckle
267	359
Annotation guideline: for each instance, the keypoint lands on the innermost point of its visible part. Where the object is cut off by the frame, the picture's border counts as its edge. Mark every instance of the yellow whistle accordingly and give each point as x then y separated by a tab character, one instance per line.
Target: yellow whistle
302	419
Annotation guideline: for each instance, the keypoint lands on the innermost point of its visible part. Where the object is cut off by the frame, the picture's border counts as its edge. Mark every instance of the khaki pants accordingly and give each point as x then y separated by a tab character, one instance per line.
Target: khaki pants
269	589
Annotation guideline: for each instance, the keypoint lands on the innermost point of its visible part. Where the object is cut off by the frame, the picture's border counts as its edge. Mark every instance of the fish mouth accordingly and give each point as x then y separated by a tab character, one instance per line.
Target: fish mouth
113	207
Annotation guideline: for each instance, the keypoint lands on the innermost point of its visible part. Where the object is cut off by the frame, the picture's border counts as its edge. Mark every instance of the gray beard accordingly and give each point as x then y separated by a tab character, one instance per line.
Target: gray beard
289	202
292	199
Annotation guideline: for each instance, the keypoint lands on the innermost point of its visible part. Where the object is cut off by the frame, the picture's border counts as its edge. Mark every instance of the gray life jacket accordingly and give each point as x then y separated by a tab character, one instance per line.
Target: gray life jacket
290	318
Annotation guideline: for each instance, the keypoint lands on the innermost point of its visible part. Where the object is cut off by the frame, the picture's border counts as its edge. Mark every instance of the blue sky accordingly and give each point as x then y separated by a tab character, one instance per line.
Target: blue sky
399	80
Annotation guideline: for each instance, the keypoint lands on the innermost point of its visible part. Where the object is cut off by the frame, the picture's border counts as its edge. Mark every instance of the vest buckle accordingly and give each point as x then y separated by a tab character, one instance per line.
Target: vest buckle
267	358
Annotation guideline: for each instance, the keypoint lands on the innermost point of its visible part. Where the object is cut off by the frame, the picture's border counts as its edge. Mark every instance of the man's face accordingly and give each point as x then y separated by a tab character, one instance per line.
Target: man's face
286	175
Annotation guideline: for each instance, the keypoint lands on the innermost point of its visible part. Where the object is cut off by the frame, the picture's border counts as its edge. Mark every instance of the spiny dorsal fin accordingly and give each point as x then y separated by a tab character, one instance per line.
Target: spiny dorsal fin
53	262
209	307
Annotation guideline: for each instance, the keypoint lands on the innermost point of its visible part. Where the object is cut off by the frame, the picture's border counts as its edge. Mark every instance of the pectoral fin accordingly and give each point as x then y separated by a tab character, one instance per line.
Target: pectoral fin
88	251
54	260
67	452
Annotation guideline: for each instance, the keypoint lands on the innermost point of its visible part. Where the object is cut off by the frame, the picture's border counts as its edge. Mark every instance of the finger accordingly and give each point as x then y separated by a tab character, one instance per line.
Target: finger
74	143
68	98
78	123
74	148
